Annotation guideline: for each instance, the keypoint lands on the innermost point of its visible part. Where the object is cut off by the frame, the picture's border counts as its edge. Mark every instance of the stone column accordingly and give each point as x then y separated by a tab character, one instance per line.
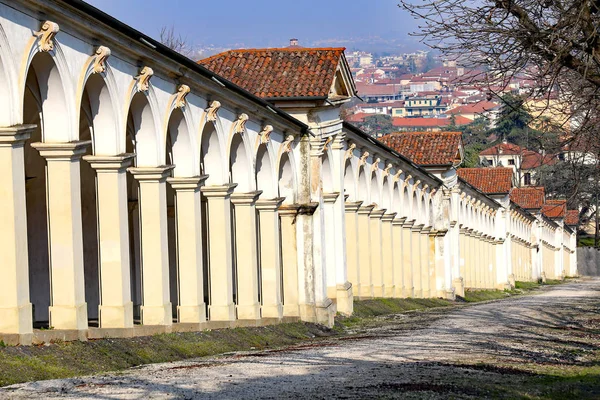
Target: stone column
469	282
188	219
68	309
220	252
408	289
15	306
156	305
460	281
416	260
387	246
289	259
270	257
425	249
352	245
365	287
376	252
397	256
246	254
116	307
331	239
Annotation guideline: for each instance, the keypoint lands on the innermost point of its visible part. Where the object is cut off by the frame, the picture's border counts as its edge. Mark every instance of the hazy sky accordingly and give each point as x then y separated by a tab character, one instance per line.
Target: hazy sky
264	23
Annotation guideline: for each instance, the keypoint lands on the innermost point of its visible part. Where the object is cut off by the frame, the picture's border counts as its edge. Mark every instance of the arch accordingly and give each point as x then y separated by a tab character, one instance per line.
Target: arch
8	114
327	172
431	213
99	90
386	194
287	179
405	202
375	191
180	149
265	173
414	207
50	85
212	155
363	186
349	181
143	125
240	165
396	199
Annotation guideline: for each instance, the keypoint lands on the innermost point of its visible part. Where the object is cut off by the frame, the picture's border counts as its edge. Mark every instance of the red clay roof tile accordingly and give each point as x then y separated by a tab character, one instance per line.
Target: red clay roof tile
572	217
555	208
488	180
276	73
426	148
528	197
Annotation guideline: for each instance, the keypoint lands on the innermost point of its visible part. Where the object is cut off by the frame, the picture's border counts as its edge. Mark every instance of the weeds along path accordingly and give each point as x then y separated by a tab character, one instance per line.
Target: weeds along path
542	346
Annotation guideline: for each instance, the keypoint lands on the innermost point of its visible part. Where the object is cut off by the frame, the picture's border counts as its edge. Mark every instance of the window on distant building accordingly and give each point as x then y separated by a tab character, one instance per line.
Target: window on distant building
527	179
511	162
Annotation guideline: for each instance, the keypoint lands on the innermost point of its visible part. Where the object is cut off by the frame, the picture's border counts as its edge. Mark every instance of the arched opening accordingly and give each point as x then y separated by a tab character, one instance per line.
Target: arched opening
431	213
349	181
287	181
44	104
363	187
375	192
265	174
141	140
397	200
328	186
386	195
414	207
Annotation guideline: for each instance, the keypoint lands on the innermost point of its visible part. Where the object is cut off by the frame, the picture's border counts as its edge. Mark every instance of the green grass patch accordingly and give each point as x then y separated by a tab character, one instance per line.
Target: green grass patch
474	296
68	359
377	307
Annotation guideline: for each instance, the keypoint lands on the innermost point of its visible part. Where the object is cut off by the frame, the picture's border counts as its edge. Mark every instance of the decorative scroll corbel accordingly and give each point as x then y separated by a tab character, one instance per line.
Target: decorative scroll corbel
425	187
387	169
211	111
46	35
287	144
350	150
265	134
143	79
417	183
375	164
182	92
102	54
397	176
240	124
363	158
408	178
327	142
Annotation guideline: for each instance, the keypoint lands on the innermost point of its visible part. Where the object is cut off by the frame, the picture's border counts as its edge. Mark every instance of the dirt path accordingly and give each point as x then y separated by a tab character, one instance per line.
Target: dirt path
499	349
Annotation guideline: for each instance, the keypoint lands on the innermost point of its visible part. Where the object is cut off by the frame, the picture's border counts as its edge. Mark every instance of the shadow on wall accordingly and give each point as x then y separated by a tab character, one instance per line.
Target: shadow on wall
588	261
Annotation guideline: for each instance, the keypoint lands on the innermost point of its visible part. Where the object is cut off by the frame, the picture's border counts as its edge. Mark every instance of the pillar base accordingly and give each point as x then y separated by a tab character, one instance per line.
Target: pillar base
291	310
272	311
116	316
69	317
418	293
459	287
408	292
449	295
379	291
16	320
365	291
389	292
308	313
325	313
222	313
426	294
191	314
344	299
543	277
251	311
511	280
157	315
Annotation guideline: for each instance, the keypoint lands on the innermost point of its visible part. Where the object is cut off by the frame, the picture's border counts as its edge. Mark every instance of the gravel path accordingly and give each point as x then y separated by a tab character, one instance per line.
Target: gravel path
407	357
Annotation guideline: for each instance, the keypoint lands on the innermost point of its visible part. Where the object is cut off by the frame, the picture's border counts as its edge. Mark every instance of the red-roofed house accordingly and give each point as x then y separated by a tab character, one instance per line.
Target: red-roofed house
529	198
491	181
555	209
426	124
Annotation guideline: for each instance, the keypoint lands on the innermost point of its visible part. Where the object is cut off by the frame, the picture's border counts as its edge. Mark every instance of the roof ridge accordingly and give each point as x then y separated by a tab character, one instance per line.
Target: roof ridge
256	50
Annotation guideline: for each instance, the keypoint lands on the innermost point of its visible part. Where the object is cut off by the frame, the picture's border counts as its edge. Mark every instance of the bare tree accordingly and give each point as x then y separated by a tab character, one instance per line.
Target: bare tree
175	41
552	44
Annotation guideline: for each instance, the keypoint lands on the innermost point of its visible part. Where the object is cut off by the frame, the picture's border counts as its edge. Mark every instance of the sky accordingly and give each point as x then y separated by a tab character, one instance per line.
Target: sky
354	24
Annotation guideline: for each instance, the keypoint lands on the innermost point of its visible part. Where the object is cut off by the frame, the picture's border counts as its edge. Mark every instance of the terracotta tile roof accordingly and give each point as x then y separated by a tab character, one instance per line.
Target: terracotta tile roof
359	117
528	197
429	122
477	108
531	160
572	217
426	148
279	72
503	148
488	180
377	90
555	208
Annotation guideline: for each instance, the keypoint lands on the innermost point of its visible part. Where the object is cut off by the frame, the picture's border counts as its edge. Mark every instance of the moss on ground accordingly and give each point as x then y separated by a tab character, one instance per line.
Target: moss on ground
68	359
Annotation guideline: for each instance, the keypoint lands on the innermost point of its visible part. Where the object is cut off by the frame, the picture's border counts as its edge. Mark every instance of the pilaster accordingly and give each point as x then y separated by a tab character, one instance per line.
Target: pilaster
289	259
387	246
376	252
190	278
156	305
270	257
365	287
352	245
220	252
116	307
416	260
15	306
68	309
